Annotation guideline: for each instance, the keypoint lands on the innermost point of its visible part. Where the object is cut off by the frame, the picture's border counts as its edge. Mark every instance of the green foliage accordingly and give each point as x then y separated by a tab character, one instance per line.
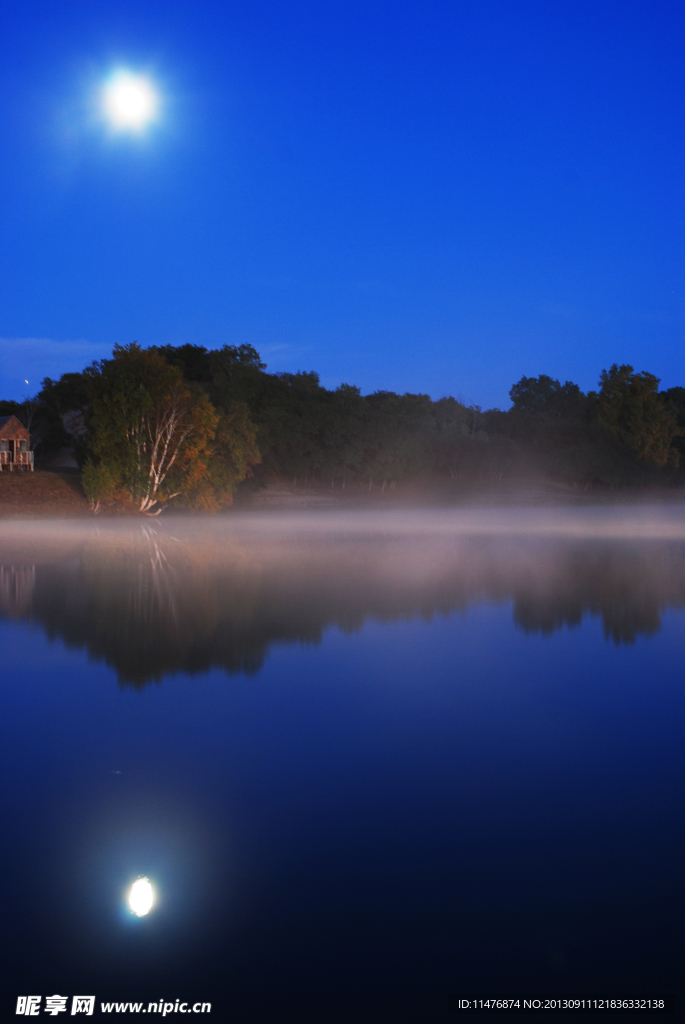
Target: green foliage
675	399
70	392
227	461
229	415
222	366
11	409
545	396
102	481
630	407
308	432
153	436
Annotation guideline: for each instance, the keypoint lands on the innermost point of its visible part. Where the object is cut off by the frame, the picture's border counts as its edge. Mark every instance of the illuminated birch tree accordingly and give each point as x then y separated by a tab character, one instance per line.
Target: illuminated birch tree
152	434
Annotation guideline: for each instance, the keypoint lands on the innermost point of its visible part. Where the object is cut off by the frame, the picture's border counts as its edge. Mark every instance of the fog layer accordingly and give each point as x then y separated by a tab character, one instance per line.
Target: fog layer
195	594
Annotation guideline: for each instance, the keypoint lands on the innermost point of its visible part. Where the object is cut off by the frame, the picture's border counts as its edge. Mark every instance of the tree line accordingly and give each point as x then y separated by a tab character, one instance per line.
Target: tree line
186	425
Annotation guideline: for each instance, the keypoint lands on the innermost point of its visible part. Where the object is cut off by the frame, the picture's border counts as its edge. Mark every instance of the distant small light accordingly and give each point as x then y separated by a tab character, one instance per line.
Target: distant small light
141	897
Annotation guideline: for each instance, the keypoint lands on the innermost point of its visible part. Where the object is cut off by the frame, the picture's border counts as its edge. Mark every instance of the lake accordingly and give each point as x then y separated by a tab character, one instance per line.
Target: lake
367	761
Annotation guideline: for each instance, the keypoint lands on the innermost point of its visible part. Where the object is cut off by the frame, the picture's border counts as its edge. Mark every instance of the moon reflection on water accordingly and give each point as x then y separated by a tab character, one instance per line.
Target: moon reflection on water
141	898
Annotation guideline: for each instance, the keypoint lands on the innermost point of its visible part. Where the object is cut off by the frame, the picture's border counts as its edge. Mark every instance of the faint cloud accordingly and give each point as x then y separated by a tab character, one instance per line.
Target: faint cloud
268	350
33	359
283	357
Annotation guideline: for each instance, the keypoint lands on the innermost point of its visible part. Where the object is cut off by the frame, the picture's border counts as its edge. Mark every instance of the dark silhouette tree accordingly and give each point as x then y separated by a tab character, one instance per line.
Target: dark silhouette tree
630	407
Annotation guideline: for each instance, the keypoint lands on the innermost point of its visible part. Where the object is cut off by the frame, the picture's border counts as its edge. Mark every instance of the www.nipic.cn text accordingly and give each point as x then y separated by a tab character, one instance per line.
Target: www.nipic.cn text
32	1006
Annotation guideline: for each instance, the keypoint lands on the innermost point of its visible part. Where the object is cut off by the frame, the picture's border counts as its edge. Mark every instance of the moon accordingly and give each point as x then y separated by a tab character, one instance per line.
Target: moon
130	101
141	898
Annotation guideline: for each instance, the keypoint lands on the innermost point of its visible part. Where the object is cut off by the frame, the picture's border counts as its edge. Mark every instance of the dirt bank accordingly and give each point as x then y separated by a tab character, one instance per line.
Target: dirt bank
43	493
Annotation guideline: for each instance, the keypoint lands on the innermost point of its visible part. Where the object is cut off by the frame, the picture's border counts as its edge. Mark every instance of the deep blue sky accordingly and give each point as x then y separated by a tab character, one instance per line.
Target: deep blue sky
421	196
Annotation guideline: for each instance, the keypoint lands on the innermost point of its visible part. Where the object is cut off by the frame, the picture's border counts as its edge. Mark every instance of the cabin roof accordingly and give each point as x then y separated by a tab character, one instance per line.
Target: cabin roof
11	427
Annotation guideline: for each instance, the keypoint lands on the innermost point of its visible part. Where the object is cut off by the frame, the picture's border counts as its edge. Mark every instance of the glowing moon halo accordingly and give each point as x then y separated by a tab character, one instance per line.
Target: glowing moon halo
141	898
129	100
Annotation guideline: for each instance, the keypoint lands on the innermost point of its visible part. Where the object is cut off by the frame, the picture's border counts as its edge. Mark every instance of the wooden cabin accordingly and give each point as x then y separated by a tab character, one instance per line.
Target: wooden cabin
15	445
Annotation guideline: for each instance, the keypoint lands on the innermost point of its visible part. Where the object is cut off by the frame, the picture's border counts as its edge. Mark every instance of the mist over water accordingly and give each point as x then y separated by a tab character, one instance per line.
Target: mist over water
156	599
394	756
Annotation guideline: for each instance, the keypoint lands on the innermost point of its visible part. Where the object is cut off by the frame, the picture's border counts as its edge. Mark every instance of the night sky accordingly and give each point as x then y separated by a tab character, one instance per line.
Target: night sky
434	197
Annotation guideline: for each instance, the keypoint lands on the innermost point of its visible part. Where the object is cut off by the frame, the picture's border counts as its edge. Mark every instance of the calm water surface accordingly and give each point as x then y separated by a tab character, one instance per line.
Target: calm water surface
366	764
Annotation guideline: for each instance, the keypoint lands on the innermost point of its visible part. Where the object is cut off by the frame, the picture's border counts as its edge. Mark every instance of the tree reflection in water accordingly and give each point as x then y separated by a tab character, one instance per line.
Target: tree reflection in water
151	602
